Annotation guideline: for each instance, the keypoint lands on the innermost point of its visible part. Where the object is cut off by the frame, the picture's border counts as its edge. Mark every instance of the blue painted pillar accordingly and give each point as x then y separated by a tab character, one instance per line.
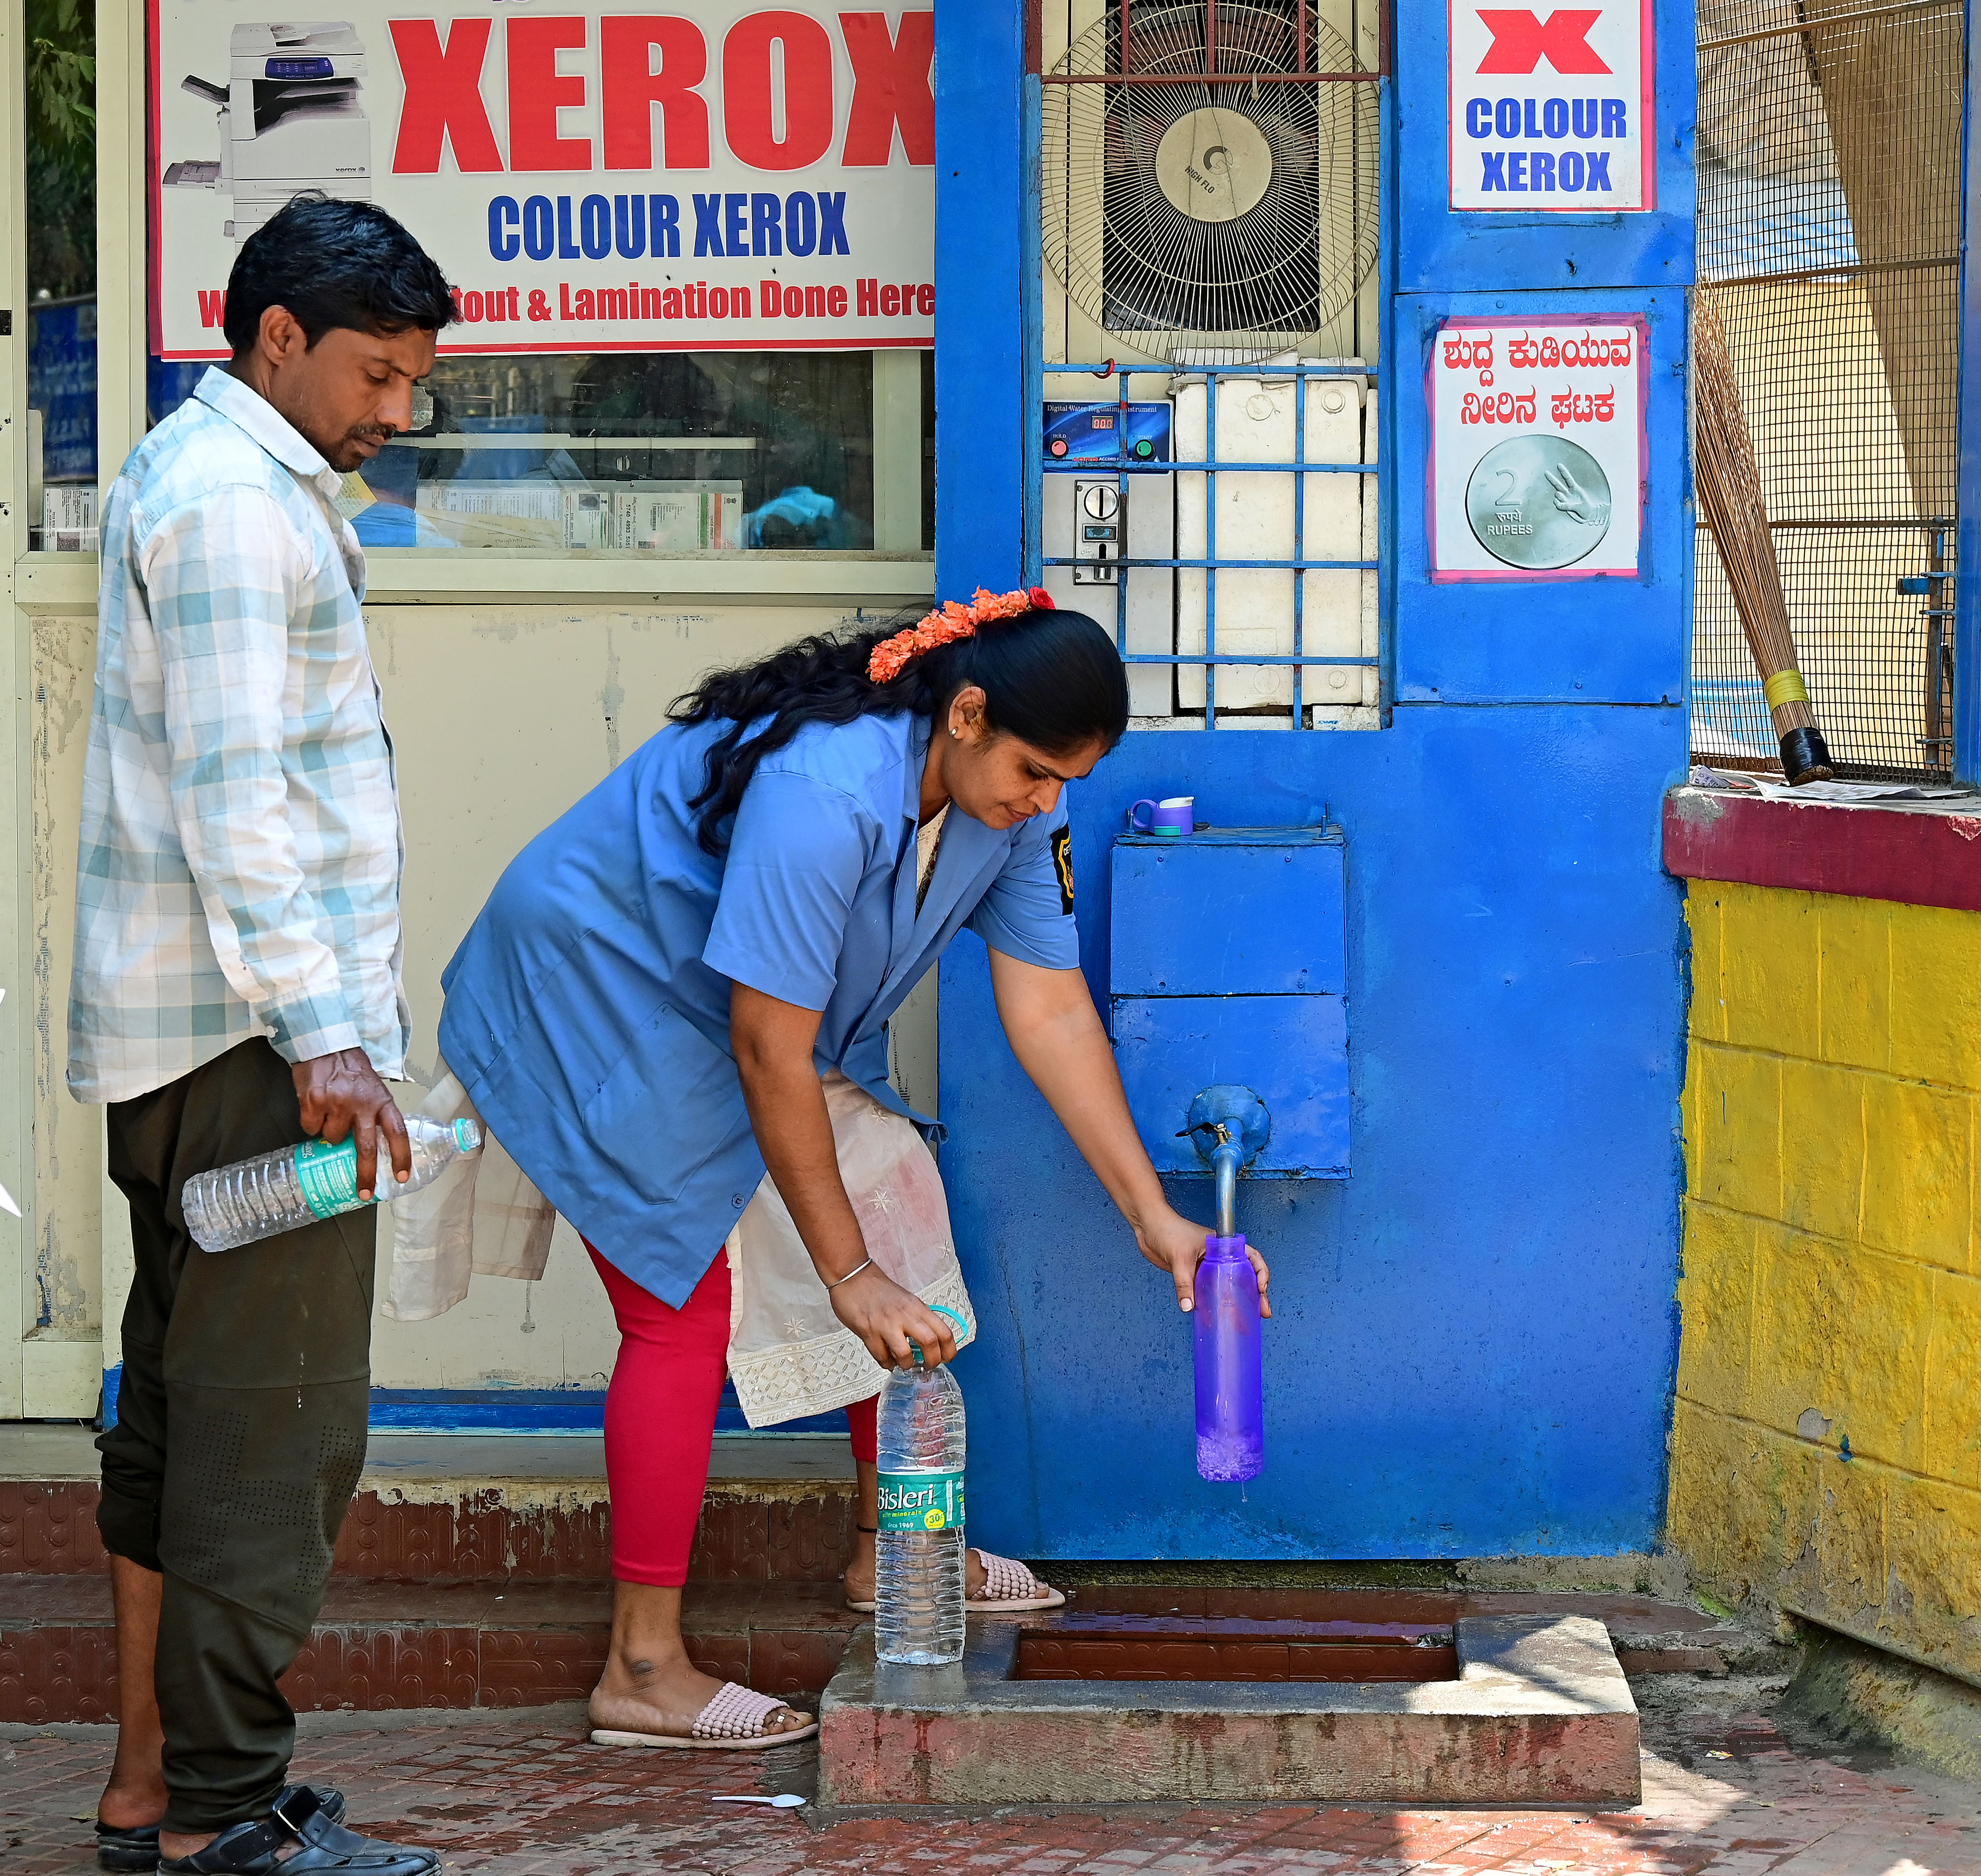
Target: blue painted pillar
986	295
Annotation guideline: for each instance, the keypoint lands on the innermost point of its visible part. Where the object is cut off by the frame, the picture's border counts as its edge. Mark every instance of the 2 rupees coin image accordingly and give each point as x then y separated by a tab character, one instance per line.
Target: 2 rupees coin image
1538	502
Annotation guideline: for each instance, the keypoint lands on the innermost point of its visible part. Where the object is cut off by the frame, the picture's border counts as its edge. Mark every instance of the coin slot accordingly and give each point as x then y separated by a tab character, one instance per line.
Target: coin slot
1100	510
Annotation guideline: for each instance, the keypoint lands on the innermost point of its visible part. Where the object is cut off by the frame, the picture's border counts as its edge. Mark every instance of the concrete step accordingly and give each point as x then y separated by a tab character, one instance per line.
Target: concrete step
1513	1709
382	1646
491	1509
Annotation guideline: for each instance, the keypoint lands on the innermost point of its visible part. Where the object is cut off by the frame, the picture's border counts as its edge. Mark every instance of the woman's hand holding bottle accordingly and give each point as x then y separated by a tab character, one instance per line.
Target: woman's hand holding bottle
887	1317
1171	1242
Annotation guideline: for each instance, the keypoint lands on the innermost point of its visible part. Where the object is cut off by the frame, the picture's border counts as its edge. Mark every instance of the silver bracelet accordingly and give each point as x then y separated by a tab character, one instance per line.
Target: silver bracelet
849	1275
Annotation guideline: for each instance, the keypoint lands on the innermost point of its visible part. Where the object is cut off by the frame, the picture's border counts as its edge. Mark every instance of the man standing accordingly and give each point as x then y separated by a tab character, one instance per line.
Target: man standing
236	990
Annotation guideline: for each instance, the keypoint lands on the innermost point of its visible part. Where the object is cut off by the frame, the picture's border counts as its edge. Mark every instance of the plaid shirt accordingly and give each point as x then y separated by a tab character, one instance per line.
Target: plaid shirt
240	852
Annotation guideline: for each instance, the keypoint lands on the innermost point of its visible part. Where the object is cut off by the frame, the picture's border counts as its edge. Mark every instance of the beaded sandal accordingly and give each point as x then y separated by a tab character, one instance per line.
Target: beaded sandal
1009	1589
733	1721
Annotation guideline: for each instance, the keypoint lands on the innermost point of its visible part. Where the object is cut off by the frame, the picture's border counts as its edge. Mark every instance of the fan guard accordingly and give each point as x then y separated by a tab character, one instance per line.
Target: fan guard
1243	216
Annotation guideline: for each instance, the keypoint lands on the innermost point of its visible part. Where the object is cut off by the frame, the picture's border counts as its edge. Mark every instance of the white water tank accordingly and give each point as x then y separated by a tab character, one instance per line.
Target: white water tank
1256	421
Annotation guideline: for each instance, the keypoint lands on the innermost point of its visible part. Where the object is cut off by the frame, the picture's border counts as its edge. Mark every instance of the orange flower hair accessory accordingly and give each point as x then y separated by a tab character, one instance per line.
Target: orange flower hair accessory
949	622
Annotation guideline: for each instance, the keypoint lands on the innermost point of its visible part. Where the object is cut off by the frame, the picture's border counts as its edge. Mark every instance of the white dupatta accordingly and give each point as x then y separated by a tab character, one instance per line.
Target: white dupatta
789	1355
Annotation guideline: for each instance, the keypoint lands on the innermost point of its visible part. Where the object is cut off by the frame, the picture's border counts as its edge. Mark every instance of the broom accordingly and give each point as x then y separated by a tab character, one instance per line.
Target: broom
1730	494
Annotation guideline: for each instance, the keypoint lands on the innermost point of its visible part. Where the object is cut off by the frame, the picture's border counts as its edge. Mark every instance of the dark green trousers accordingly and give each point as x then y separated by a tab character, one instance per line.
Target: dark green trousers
240	1430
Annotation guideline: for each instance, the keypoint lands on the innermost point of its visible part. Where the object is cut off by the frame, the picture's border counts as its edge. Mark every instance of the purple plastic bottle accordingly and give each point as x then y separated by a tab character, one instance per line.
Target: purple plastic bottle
1230	1386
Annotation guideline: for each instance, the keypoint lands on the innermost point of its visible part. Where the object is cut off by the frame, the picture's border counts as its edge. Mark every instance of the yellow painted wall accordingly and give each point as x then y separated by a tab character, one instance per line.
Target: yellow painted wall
1831	1283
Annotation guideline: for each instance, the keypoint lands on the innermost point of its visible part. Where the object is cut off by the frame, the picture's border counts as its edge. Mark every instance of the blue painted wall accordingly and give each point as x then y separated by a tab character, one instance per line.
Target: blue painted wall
1473	1339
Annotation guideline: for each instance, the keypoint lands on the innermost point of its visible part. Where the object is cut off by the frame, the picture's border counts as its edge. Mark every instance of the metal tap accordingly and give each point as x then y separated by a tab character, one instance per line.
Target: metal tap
1228	1125
1226	1157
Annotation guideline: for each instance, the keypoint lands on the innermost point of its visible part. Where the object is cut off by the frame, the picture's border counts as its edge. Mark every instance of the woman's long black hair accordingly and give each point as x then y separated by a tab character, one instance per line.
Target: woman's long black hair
1052	679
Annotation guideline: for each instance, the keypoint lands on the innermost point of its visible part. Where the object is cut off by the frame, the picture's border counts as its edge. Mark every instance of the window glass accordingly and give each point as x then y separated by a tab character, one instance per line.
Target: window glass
928	452
645	452
638	452
60	197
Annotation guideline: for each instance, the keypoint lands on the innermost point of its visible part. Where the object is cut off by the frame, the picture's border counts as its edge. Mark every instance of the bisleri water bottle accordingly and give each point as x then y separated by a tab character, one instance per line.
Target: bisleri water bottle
1230	1386
256	1198
918	1554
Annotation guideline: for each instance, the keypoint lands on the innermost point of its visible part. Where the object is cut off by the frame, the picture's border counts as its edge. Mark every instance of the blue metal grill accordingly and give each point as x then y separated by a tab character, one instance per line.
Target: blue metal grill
1301	564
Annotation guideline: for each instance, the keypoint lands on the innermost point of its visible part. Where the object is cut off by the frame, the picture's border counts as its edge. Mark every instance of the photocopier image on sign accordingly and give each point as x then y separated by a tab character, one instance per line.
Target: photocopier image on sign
292	118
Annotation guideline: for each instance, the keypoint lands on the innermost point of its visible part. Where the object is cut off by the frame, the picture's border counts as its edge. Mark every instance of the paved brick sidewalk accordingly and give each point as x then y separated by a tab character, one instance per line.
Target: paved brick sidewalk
522	1796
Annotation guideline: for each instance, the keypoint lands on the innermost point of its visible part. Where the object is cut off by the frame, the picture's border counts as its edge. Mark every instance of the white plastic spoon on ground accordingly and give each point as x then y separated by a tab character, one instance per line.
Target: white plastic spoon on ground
784	1801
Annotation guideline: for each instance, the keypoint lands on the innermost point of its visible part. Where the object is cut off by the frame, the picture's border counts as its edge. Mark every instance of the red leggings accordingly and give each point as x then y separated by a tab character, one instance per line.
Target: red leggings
659	1418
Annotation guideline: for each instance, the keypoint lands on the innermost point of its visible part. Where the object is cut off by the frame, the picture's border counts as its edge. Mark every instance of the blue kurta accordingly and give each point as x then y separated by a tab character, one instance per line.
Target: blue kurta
587	1008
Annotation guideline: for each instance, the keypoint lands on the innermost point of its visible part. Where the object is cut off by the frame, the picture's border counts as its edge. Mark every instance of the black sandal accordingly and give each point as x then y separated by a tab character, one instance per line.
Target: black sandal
135	1847
323	1845
122	1847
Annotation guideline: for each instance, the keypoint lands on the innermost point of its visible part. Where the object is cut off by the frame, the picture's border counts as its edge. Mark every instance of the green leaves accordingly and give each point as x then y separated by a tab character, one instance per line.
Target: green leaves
62	76
61	137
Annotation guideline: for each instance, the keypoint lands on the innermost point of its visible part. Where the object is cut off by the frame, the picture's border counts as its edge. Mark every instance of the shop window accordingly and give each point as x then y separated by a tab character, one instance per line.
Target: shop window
1209	402
649	453
60	197
691	258
686	450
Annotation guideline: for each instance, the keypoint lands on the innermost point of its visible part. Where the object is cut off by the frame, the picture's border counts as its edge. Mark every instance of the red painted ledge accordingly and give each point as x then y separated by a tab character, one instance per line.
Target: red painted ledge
1923	855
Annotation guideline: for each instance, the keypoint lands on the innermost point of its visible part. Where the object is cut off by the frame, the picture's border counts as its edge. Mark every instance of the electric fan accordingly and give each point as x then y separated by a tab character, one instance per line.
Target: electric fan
1178	210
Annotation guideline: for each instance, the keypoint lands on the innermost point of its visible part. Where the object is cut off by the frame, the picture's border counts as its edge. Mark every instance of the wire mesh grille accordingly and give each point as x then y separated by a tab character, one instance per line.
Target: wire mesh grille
1829	237
1173	205
1241	583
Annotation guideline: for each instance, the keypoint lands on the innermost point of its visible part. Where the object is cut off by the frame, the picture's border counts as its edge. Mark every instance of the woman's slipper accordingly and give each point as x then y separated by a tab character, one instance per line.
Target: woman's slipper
1009	1589
733	1721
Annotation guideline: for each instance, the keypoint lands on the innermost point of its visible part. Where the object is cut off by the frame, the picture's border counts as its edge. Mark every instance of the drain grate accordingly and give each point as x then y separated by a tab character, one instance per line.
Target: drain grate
1128	1647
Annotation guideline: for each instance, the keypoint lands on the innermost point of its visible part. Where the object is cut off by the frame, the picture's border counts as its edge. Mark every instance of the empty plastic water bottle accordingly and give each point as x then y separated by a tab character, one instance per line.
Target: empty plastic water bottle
274	1192
918	1555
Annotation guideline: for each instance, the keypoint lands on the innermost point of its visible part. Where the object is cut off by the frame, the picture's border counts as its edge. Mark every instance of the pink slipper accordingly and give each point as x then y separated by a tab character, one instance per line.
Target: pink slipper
1008	1587
733	1721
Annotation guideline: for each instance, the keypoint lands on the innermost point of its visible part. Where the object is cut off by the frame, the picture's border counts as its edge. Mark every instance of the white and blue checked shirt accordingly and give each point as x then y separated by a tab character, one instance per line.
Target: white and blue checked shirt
240	852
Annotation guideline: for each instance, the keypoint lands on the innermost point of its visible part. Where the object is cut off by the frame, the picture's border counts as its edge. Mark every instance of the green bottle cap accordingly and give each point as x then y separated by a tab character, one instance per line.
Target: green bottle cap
941	1309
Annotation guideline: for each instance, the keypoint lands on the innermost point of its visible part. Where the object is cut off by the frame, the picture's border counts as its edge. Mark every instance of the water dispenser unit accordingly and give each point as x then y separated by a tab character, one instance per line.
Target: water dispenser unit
1226	966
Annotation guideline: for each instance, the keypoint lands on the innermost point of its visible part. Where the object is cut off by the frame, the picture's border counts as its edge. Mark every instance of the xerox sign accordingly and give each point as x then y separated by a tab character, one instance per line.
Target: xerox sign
716	177
1552	112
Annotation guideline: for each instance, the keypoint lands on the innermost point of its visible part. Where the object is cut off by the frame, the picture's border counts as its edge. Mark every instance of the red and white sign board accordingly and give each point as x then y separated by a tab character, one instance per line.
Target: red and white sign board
719	176
1540	458
1554	112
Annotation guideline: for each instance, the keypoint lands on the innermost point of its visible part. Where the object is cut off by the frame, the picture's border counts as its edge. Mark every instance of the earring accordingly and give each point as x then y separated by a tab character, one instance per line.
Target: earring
952	729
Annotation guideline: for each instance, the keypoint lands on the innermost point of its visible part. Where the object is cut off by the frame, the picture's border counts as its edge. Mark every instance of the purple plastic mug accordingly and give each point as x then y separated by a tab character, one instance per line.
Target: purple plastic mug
1174	817
1230	1381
